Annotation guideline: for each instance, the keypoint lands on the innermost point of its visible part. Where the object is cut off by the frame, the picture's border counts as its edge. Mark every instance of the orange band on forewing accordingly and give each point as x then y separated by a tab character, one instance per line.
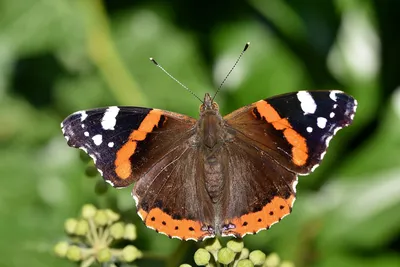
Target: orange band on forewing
122	163
164	223
267	111
261	220
299	145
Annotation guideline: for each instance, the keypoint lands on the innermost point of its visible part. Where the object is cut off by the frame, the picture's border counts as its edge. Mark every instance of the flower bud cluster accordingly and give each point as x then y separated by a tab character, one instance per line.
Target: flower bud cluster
234	254
91	236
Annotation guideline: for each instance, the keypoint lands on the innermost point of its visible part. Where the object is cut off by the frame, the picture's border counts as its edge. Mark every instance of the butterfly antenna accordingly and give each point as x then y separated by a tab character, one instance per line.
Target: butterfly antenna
173	78
234	65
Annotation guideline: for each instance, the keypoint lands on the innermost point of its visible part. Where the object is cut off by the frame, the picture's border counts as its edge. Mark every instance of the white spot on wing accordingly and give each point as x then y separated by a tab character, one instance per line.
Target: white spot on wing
321	122
100	171
332	114
309	129
307	102
135	198
86	133
294	184
328	139
333	95
97	139
314	167
83	114
110	118
111	144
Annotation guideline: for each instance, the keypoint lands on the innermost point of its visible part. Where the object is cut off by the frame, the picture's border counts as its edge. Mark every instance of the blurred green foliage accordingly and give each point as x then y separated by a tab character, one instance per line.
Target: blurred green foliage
60	56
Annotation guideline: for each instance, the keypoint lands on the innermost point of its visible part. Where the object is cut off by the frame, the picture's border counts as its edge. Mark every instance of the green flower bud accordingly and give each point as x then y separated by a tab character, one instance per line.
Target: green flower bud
104	255
130	232
272	260
257	257
74	253
61	248
82	227
101	187
287	264
226	255
70	225
244	254
130	253
211	264
212	245
245	263
117	230
91	171
100	218
185	265
202	257
112	216
236	245
83	156
88	211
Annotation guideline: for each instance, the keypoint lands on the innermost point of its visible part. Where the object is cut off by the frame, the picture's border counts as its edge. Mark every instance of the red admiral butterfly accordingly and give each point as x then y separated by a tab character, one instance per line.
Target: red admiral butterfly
232	175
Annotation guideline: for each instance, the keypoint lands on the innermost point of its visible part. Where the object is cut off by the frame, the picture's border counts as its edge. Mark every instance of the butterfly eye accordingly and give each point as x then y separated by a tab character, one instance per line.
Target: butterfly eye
215	106
202	107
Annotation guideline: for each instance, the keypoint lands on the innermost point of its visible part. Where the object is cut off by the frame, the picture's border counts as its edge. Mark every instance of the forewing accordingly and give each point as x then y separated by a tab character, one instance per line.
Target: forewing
294	129
124	142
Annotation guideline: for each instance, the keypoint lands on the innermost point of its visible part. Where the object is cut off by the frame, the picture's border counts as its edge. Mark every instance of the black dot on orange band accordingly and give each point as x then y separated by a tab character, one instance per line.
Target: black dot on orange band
191	229
259	220
281	207
244	224
271	213
153	219
164	223
176	227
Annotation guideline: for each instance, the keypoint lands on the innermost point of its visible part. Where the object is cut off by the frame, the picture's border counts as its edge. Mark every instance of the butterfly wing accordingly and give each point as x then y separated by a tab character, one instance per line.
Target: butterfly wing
295	129
172	197
119	138
152	148
266	190
275	140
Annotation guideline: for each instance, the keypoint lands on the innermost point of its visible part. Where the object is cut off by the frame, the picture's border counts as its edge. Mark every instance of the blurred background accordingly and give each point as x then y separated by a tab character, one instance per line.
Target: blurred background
57	57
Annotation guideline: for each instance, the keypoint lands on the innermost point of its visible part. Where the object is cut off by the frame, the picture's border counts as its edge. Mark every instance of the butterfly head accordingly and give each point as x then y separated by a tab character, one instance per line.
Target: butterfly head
208	104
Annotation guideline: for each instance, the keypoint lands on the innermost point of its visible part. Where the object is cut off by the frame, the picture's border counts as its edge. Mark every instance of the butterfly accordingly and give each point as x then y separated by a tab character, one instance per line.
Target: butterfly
229	176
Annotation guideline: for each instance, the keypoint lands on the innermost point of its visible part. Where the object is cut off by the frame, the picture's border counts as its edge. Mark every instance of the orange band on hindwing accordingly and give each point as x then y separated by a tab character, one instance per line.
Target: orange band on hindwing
122	163
270	214
164	223
299	145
